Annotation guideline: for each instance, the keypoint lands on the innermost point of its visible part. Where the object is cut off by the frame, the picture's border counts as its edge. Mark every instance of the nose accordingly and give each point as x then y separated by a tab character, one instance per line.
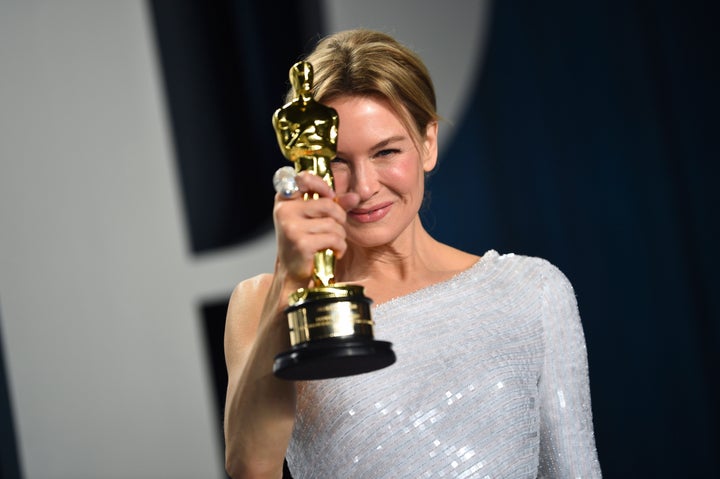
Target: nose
364	180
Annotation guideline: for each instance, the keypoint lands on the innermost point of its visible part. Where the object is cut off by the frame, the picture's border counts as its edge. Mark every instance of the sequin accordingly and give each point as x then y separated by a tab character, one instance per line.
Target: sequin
490	364
561	398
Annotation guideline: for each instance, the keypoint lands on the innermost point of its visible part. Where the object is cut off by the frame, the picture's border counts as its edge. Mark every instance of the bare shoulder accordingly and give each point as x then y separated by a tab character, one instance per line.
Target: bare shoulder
243	313
248	297
250	288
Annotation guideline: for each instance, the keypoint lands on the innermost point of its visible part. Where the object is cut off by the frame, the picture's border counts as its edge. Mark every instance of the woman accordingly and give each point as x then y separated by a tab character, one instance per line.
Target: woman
491	377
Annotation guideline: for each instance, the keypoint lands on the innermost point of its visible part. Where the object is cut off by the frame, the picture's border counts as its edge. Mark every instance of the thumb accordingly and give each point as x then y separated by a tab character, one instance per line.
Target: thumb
348	201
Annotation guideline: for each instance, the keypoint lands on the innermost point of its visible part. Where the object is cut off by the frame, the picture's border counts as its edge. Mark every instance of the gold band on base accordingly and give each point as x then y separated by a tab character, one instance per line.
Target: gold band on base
329	312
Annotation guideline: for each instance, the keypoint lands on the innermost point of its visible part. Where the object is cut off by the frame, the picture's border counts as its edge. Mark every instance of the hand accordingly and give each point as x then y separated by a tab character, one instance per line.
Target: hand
305	227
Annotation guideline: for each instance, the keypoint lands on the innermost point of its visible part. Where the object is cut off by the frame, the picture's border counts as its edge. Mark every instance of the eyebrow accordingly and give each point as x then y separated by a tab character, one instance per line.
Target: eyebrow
381	144
386	142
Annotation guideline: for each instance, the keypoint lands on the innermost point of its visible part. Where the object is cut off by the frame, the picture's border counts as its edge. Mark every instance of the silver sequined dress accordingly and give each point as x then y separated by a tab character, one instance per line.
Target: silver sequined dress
491	381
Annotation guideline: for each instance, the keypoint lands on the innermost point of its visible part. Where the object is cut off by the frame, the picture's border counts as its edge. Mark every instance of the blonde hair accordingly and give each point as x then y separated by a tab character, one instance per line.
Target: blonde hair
370	63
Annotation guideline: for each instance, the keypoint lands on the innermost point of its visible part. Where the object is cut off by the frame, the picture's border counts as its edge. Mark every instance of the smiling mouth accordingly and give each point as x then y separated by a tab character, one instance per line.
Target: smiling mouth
369	215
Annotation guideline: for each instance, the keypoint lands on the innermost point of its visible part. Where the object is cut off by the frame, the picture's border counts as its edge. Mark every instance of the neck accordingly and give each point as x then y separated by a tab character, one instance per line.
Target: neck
400	260
411	262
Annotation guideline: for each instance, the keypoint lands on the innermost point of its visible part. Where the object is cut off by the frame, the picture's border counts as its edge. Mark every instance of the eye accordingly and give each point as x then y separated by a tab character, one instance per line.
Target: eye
338	165
387	152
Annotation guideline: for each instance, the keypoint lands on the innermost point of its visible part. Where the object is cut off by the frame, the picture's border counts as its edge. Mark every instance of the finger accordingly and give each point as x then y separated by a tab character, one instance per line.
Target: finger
348	201
324	208
310	183
297	251
304	216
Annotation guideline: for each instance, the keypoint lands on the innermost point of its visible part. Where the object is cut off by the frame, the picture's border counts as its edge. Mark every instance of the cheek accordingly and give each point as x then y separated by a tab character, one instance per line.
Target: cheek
406	174
398	178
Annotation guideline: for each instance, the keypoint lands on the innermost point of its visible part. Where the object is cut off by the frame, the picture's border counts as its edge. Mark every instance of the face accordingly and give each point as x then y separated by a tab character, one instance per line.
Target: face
377	159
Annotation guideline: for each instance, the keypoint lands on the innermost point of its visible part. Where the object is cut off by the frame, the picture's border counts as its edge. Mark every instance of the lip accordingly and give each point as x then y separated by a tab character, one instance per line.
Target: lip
370	214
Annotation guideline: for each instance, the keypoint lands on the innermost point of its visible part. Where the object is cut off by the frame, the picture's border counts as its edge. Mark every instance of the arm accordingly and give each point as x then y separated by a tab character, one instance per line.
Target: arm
567	444
259	408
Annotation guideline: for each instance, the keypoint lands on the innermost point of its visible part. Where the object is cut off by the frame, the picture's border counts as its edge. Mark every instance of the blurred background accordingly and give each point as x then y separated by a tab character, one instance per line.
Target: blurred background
136	153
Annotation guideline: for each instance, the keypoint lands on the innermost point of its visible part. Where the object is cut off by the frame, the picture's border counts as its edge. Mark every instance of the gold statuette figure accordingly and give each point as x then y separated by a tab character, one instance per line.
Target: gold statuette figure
331	331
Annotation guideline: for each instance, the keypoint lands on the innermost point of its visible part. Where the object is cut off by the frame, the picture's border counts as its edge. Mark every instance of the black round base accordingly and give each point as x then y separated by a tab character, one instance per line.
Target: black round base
333	358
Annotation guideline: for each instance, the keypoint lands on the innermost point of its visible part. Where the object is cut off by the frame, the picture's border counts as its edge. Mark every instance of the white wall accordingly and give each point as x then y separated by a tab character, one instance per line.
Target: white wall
98	293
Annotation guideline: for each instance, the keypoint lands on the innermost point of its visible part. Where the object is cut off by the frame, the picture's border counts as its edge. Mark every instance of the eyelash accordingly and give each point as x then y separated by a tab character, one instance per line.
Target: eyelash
387	152
381	153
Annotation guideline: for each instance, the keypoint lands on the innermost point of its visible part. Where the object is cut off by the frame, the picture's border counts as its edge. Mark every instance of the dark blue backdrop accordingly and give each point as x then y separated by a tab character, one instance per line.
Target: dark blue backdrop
592	140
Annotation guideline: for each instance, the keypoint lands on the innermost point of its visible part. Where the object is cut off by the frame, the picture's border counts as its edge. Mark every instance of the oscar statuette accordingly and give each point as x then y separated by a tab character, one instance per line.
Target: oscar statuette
331	329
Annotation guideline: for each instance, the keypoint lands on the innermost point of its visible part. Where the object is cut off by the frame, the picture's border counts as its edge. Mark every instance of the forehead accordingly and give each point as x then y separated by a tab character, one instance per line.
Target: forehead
366	112
373	116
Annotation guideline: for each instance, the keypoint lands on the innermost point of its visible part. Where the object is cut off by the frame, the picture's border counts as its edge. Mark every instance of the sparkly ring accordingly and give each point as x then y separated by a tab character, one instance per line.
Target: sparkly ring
284	181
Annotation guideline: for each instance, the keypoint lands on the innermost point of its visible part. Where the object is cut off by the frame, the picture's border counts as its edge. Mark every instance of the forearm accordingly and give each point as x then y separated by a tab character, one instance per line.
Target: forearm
260	409
259	417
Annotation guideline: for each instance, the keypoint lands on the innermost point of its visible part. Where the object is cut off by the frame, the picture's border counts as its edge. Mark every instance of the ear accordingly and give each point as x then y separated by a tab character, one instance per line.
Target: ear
431	147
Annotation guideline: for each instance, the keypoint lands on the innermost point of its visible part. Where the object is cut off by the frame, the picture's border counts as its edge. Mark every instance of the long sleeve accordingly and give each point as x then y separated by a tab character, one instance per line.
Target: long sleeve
567	443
